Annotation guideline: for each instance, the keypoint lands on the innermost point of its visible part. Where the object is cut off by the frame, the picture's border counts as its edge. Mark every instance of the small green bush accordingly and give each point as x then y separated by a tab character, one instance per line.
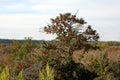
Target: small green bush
4	74
47	73
20	76
104	68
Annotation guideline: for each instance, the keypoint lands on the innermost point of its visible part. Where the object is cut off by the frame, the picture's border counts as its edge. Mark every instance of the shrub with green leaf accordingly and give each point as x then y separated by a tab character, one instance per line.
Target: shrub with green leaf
20	76
4	74
47	73
104	68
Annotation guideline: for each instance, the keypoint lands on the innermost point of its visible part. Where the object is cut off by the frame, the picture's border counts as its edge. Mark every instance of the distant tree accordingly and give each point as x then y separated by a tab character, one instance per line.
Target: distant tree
72	31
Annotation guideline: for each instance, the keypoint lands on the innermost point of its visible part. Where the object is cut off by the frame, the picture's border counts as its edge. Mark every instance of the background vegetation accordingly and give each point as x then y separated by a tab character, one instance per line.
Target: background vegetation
75	55
31	58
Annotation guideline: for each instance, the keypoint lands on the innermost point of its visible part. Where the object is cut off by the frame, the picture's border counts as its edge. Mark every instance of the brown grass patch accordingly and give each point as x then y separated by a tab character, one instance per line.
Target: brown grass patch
113	54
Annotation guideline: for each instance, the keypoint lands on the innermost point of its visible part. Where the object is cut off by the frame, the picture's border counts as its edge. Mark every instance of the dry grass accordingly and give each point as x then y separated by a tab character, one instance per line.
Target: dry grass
113	53
4	60
4	56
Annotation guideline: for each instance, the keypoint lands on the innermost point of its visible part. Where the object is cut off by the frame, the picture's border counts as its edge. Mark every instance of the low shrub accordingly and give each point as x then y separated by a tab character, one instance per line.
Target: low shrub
47	73
104	68
5	74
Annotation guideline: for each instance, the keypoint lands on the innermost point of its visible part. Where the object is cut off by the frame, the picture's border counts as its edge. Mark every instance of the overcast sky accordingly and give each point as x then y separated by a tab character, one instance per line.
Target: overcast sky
23	18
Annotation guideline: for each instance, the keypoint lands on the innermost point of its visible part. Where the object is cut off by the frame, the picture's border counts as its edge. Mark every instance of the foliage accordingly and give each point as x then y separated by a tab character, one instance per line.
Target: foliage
108	43
19	50
75	71
20	76
105	69
72	32
47	73
114	68
113	43
64	66
27	60
103	44
21	55
4	73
